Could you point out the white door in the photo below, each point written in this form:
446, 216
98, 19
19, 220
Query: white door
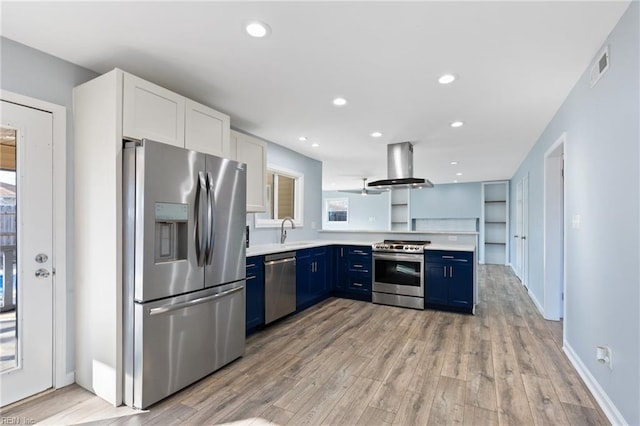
524, 237
26, 174
516, 238
522, 228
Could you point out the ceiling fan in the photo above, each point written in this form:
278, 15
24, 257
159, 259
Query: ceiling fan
364, 190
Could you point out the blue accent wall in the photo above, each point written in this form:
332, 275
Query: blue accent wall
602, 186
369, 212
32, 73
285, 158
455, 200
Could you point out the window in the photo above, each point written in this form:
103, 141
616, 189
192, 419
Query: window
337, 209
284, 198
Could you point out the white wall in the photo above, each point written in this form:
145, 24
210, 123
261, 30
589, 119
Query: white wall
33, 73
602, 186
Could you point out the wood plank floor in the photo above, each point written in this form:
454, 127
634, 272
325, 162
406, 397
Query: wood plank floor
346, 362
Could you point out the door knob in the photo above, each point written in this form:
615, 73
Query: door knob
41, 258
524, 238
515, 236
42, 273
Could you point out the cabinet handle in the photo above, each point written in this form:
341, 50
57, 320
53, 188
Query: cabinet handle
447, 257
445, 271
358, 251
450, 271
358, 285
341, 251
251, 265
251, 277
357, 266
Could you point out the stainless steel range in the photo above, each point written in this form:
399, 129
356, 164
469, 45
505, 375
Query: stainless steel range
398, 273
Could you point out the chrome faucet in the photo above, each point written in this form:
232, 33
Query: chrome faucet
283, 233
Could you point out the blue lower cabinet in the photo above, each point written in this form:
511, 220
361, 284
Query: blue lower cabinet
254, 293
449, 280
339, 275
312, 276
352, 275
436, 292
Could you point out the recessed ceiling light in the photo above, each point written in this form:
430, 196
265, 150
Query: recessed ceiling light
302, 138
457, 124
339, 101
314, 145
453, 163
458, 174
376, 134
446, 78
257, 29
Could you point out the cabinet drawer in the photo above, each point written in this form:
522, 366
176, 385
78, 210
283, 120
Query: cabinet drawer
359, 282
439, 256
254, 266
360, 251
357, 264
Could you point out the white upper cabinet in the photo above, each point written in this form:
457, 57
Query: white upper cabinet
207, 130
150, 111
252, 151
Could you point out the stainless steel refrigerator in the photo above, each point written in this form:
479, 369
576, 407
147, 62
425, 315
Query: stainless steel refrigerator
184, 268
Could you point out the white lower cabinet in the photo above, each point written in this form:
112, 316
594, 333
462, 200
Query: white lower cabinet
252, 151
206, 130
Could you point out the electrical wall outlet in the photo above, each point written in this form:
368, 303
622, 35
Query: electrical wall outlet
313, 225
603, 356
453, 238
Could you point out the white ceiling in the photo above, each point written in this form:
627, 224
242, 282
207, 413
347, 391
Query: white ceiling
516, 62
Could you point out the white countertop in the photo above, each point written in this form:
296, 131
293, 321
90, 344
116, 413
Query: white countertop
381, 231
262, 249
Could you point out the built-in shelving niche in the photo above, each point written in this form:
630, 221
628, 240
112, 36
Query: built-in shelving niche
400, 212
494, 223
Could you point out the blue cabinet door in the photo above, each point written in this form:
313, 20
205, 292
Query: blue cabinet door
254, 293
319, 284
312, 283
303, 277
340, 268
461, 286
449, 279
436, 284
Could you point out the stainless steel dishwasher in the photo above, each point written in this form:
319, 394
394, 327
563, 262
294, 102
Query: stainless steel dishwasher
279, 285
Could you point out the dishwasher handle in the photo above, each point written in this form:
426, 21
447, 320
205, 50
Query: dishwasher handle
274, 262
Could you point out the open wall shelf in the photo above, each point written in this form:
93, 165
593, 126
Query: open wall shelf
494, 223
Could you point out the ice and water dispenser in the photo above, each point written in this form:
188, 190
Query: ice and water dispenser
171, 234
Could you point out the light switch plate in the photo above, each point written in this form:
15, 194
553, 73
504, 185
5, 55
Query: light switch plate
575, 221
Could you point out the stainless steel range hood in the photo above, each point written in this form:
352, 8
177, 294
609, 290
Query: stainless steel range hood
400, 169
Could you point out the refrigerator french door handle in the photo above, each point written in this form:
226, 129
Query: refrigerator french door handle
178, 306
199, 233
211, 217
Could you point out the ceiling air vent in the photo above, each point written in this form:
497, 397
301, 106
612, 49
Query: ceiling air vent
600, 66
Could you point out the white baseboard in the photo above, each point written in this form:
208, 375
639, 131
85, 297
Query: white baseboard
69, 379
536, 302
610, 410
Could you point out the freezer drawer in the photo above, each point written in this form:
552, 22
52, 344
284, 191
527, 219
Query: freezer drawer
179, 340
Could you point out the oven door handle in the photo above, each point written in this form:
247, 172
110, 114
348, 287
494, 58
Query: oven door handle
399, 256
